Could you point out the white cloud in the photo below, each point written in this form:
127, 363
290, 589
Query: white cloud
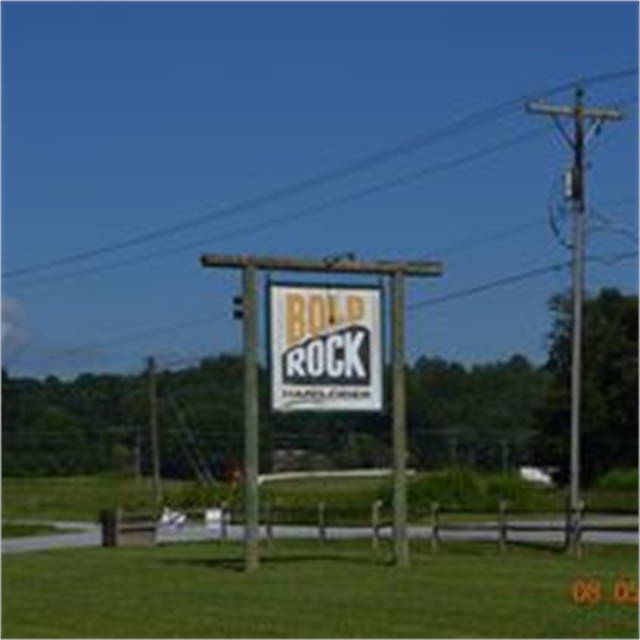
14, 331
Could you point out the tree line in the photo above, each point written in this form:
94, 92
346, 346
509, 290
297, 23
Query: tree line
492, 416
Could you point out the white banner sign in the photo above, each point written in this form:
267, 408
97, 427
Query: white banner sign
325, 348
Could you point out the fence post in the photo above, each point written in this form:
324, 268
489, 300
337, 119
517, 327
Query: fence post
578, 532
567, 525
268, 523
435, 526
117, 522
502, 526
223, 521
322, 528
375, 524
108, 519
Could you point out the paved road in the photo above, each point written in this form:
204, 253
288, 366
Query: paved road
83, 534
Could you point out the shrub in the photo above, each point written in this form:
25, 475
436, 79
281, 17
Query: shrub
521, 494
453, 488
618, 480
471, 491
197, 495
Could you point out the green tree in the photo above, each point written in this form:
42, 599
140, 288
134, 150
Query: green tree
479, 416
609, 416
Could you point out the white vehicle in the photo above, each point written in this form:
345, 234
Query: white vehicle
536, 475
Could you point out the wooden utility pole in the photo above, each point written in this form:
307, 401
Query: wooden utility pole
137, 456
401, 541
153, 427
580, 116
251, 417
250, 265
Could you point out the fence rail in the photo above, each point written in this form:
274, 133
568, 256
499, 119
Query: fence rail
324, 521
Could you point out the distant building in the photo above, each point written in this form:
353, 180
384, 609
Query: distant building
298, 460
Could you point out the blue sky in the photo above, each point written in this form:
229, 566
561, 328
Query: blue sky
120, 120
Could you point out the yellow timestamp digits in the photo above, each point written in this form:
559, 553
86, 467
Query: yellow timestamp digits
591, 591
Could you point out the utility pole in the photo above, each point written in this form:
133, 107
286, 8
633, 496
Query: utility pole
399, 401
153, 427
137, 457
595, 117
251, 417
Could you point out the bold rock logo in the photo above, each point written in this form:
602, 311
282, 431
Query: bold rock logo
341, 358
325, 348
311, 316
327, 342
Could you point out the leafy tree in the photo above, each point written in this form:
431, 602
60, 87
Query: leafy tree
609, 411
477, 417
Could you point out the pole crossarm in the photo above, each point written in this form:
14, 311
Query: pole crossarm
571, 112
426, 268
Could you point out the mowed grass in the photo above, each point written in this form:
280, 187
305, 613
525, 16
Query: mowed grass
308, 589
77, 498
14, 530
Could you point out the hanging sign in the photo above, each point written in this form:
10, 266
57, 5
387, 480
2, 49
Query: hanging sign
325, 348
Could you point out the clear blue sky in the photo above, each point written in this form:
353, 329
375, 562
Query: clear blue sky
123, 119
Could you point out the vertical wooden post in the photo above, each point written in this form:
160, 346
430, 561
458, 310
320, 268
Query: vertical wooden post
224, 512
153, 426
568, 521
401, 543
118, 522
375, 524
435, 526
322, 524
137, 461
268, 515
252, 506
502, 526
578, 533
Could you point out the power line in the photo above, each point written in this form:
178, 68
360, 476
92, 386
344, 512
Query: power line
494, 284
613, 260
407, 146
244, 206
487, 286
117, 341
516, 278
491, 237
171, 328
449, 297
187, 439
375, 189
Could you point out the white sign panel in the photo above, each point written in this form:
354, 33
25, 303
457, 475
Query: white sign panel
325, 348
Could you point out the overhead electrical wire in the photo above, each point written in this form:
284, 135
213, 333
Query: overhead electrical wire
466, 292
141, 335
187, 439
487, 286
491, 237
404, 147
362, 193
371, 190
516, 278
281, 193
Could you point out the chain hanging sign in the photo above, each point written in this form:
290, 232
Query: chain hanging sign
325, 347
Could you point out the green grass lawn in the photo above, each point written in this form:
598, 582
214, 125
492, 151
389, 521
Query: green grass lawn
77, 498
305, 589
15, 530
